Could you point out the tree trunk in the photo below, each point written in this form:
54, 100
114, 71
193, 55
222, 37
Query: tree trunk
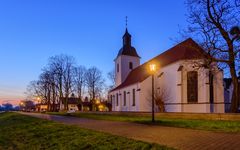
235, 95
54, 98
48, 100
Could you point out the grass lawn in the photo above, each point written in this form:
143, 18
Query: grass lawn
212, 125
27, 133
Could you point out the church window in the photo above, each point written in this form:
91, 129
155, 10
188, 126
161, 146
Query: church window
133, 97
117, 99
211, 87
192, 86
130, 65
124, 98
111, 99
117, 67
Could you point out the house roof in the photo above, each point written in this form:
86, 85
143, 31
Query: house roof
187, 49
86, 103
73, 100
128, 50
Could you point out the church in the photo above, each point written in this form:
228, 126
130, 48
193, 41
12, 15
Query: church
178, 80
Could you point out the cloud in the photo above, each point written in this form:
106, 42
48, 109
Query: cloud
13, 102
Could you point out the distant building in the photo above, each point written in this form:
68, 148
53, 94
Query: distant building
187, 86
76, 104
73, 103
27, 105
41, 107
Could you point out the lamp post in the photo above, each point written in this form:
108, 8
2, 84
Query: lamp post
152, 70
38, 100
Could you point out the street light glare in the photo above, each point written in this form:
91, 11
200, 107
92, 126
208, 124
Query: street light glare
152, 67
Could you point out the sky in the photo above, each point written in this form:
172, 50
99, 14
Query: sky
31, 31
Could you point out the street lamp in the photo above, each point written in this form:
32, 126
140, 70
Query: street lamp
38, 100
152, 70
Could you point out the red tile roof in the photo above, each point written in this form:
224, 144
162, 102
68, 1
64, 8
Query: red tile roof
187, 49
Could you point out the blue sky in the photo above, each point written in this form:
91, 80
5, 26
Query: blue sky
90, 30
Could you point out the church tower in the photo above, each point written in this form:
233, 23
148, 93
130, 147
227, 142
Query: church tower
127, 59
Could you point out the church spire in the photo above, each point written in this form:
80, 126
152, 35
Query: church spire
126, 36
127, 48
126, 39
126, 21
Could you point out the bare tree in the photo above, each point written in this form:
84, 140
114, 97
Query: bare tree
62, 68
32, 90
94, 82
111, 76
68, 78
55, 64
45, 84
161, 97
40, 88
79, 80
211, 22
235, 32
55, 82
237, 3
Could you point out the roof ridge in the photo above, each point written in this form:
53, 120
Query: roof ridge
173, 54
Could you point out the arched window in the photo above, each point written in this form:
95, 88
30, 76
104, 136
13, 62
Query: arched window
117, 67
133, 97
192, 86
117, 99
124, 98
111, 99
130, 65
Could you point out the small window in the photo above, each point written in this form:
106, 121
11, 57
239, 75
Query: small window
111, 99
192, 86
117, 67
211, 87
133, 97
130, 65
124, 98
117, 98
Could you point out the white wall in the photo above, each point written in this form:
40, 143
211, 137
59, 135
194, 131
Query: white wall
174, 84
166, 83
129, 99
72, 107
123, 61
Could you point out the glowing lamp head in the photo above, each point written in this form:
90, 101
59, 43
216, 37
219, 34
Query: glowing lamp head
152, 68
97, 101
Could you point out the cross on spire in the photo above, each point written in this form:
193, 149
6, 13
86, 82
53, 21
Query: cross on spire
126, 21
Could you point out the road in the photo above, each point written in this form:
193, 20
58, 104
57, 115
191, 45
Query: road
180, 138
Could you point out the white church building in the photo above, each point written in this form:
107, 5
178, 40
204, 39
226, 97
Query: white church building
185, 85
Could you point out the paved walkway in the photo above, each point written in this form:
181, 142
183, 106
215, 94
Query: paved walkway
180, 138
